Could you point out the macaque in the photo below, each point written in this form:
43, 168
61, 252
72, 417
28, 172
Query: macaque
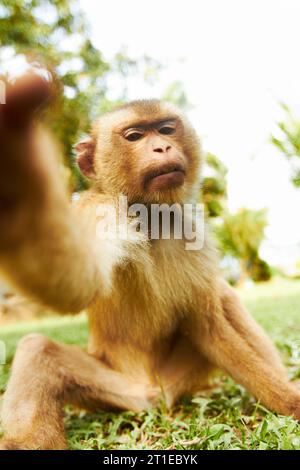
161, 318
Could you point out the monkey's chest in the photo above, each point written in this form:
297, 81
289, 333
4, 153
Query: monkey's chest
149, 299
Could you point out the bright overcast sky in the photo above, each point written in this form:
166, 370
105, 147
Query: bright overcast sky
240, 59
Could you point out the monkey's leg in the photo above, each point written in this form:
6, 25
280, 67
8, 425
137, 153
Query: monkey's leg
238, 316
45, 375
239, 347
184, 372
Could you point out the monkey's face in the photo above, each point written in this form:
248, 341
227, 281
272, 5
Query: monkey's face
147, 152
160, 162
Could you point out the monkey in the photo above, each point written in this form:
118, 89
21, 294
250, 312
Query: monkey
161, 318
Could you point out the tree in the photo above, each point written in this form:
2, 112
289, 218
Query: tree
240, 235
175, 93
288, 143
214, 186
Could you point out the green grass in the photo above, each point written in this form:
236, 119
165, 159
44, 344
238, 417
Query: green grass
227, 418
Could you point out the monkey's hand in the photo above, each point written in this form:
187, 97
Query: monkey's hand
25, 164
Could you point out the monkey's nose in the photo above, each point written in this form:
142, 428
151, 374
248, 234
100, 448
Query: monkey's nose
162, 148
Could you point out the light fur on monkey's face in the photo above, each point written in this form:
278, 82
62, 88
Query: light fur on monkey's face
145, 150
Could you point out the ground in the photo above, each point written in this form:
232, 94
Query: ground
228, 418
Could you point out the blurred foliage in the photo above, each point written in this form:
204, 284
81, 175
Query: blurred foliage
54, 34
214, 186
260, 270
288, 142
240, 235
176, 94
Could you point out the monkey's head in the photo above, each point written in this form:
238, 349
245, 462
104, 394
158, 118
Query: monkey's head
145, 150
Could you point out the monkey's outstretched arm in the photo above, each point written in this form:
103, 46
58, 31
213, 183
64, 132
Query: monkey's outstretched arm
45, 250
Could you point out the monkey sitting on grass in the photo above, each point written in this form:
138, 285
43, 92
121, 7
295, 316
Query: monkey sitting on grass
161, 318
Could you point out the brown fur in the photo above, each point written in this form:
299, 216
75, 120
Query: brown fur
161, 318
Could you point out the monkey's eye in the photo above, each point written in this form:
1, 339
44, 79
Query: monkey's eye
167, 130
133, 136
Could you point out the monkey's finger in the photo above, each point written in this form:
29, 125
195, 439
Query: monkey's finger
24, 97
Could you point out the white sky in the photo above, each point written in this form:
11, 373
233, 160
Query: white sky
240, 59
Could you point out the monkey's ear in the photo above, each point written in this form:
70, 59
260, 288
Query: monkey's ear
85, 157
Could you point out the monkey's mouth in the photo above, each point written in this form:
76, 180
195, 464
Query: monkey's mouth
165, 177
